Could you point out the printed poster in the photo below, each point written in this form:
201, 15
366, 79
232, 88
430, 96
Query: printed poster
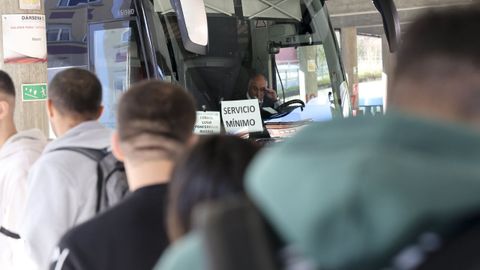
24, 38
30, 4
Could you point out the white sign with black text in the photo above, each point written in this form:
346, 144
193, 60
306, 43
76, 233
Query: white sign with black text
208, 123
242, 116
24, 38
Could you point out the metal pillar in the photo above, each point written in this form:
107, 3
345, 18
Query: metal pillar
308, 62
350, 61
388, 64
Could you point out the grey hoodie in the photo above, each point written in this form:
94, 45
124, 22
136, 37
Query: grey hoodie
62, 192
17, 155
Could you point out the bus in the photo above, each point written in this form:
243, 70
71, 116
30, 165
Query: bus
210, 47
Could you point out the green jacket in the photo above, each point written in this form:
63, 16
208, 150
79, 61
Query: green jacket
350, 194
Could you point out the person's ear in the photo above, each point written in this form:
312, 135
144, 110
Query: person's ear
4, 109
50, 110
116, 147
100, 112
193, 140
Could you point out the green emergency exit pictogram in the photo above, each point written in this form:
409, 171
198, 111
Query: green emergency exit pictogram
34, 92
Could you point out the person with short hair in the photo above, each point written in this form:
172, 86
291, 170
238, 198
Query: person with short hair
18, 152
155, 126
211, 171
437, 77
62, 184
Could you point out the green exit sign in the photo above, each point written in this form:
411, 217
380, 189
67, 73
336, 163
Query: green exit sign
34, 92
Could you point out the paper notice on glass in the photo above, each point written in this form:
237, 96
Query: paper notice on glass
242, 116
208, 123
311, 66
24, 38
30, 4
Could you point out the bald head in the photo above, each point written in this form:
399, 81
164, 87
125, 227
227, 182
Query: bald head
438, 67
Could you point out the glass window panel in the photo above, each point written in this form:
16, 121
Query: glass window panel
63, 3
117, 61
76, 2
65, 35
52, 34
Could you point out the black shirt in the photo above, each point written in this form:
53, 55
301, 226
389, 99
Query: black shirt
131, 235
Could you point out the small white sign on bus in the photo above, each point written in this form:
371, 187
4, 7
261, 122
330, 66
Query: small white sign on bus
208, 123
241, 116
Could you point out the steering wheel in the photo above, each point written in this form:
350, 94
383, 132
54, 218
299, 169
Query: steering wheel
291, 105
288, 107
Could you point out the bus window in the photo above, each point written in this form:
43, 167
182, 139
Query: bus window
117, 61
66, 31
302, 73
291, 43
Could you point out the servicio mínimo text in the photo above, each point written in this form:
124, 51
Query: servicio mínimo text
240, 123
239, 109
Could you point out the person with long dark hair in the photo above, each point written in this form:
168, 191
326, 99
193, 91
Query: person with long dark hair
213, 169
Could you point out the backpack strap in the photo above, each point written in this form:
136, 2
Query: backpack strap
96, 155
93, 154
9, 233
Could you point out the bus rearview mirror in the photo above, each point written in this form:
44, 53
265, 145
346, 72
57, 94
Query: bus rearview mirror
192, 21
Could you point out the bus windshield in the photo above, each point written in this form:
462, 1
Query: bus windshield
290, 42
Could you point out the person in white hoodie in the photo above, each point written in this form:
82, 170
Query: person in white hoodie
18, 151
62, 184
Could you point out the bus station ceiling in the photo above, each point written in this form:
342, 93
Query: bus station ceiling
363, 15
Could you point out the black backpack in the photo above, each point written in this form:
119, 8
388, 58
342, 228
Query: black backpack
112, 185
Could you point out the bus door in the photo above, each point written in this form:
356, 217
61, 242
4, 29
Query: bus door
116, 57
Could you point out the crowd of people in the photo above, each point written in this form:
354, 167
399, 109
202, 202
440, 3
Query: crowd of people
399, 191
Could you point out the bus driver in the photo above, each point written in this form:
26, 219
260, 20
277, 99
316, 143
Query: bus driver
258, 88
